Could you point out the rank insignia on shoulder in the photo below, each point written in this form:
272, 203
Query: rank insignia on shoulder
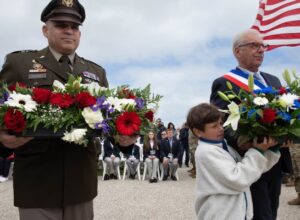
25, 51
91, 76
37, 68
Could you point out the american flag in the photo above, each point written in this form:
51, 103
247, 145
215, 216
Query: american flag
279, 22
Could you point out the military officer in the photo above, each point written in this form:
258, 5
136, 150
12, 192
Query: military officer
295, 154
53, 179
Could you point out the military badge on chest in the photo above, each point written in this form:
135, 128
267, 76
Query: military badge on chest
90, 77
38, 75
38, 71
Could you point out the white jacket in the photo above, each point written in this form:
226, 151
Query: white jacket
223, 180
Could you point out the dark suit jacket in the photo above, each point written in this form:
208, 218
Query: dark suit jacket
220, 85
165, 148
51, 173
134, 151
147, 151
108, 150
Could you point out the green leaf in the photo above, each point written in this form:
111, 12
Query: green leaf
223, 96
295, 131
251, 82
229, 85
287, 77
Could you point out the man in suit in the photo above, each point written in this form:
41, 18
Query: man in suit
184, 140
112, 157
169, 153
53, 179
248, 49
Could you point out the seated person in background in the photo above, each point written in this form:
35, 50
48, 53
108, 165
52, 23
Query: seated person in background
223, 176
163, 136
132, 155
6, 157
112, 157
151, 155
169, 152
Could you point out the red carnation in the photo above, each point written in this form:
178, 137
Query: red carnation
14, 120
269, 115
126, 93
128, 123
12, 87
84, 99
282, 90
41, 95
149, 115
61, 100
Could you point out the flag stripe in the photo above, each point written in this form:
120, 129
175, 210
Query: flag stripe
279, 22
283, 23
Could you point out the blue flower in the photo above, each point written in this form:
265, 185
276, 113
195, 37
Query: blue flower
252, 113
140, 103
284, 116
100, 104
104, 126
297, 103
4, 97
267, 90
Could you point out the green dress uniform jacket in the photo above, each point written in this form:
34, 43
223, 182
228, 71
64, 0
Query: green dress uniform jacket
51, 173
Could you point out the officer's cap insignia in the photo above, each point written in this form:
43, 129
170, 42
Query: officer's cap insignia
67, 3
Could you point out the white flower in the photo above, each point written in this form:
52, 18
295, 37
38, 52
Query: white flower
92, 117
287, 100
125, 102
260, 101
21, 101
76, 136
94, 88
114, 103
58, 85
234, 116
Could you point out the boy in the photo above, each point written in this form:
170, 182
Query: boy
223, 177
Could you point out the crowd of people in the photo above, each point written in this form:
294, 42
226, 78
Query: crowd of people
165, 146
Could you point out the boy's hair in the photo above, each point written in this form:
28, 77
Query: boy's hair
202, 114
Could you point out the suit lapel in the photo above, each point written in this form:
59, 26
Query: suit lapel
48, 60
267, 79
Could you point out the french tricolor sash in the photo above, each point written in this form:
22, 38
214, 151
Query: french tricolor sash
239, 78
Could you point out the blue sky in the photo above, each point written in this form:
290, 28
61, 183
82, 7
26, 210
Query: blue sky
179, 46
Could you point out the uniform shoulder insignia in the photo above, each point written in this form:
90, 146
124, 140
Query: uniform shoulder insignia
25, 51
88, 61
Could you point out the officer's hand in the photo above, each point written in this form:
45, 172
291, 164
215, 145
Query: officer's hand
266, 144
288, 143
11, 141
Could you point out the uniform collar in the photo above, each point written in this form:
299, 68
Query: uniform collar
57, 55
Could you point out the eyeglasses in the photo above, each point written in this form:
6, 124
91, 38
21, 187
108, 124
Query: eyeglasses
254, 45
163, 133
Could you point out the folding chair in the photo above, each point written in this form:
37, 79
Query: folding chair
104, 164
145, 171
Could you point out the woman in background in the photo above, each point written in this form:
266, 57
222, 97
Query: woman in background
151, 156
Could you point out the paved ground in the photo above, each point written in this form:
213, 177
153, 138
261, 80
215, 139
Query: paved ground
133, 199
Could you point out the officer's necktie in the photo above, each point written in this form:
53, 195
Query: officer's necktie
65, 65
